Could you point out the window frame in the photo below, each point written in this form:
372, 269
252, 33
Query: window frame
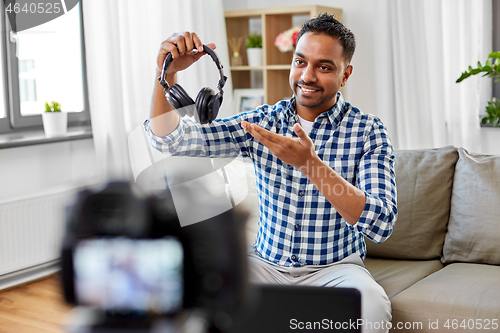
4, 122
14, 121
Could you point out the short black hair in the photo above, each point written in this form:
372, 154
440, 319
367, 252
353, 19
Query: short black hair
326, 24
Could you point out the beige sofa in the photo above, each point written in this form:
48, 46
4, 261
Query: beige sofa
440, 267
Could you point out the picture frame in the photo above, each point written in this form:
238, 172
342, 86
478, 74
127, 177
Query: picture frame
245, 100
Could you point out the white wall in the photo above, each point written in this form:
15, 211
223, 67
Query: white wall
490, 137
372, 59
32, 170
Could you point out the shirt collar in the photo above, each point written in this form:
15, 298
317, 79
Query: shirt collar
334, 115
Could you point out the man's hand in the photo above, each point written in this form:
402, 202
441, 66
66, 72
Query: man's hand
186, 48
298, 152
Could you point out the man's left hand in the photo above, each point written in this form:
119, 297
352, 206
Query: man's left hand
298, 152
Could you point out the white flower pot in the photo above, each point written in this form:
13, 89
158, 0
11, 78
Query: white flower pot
254, 56
55, 123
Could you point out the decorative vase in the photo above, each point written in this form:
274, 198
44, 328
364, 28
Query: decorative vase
254, 56
236, 59
55, 123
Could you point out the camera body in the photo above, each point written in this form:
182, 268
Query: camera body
126, 255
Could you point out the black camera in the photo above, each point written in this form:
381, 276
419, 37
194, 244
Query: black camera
126, 257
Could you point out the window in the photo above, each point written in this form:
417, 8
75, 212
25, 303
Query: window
27, 82
43, 63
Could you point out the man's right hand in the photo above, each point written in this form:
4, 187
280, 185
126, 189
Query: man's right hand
183, 47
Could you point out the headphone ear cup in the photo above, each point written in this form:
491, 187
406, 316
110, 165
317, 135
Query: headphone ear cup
214, 106
202, 104
179, 99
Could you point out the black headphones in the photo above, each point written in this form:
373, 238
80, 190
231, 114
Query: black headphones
207, 102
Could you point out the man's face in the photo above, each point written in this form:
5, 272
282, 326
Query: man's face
318, 71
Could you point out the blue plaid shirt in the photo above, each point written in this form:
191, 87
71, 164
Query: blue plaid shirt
298, 225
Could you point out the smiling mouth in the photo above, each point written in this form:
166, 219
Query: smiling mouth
307, 90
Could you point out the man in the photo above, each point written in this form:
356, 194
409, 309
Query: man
325, 174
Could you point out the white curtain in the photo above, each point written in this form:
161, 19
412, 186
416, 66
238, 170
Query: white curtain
122, 39
432, 42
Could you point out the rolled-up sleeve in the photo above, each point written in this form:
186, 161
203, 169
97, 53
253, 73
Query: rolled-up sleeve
376, 177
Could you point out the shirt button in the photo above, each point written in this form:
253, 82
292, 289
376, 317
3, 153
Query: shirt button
301, 193
294, 257
297, 226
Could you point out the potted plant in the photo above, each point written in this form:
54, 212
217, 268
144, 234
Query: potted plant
254, 49
490, 69
55, 122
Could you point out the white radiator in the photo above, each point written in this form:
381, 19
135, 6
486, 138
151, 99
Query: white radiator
31, 231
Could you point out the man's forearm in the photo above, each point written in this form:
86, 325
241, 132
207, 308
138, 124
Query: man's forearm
163, 120
348, 200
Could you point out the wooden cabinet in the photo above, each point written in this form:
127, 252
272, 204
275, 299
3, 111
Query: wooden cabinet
276, 64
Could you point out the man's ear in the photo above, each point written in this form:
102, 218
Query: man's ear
347, 73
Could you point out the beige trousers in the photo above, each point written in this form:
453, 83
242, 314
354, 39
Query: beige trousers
346, 273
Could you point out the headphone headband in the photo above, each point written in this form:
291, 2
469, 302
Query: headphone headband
206, 49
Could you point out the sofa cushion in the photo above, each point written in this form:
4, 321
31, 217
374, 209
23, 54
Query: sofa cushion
474, 227
457, 292
424, 180
397, 275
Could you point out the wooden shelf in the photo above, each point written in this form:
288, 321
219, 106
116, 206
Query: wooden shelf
246, 68
253, 68
279, 67
276, 64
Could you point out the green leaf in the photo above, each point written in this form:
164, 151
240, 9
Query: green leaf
56, 106
52, 106
488, 69
463, 77
254, 41
498, 79
484, 120
494, 55
493, 112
